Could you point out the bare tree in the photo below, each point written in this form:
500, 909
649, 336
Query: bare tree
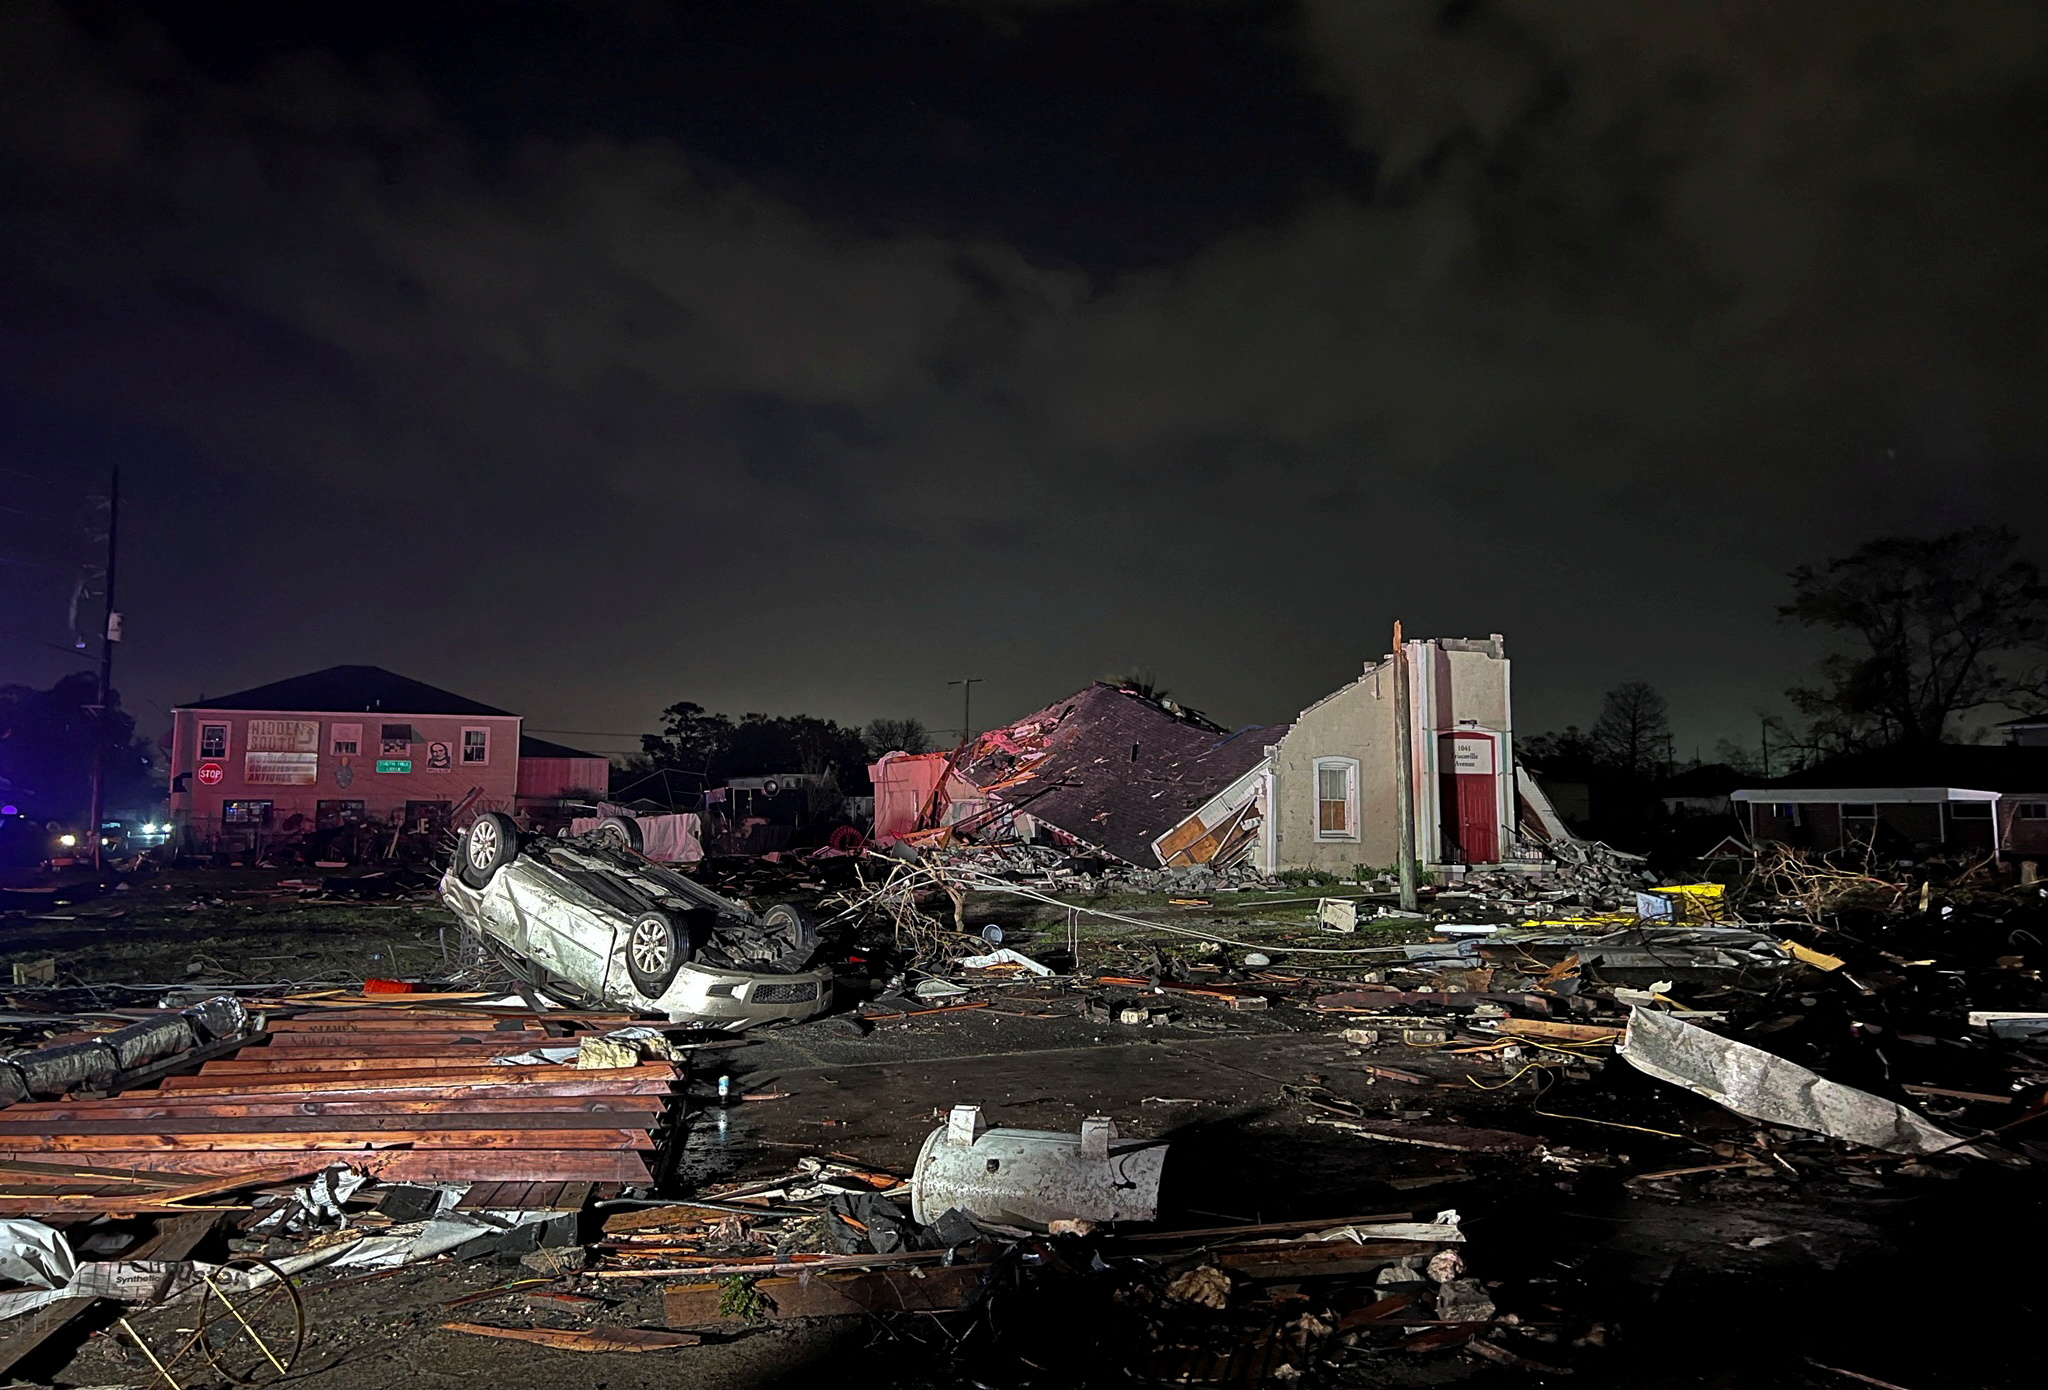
1937, 628
1633, 733
896, 736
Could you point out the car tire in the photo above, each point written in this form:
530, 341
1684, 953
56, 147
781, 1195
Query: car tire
490, 843
620, 832
799, 930
655, 948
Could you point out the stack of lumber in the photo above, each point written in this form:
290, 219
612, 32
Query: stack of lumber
406, 1094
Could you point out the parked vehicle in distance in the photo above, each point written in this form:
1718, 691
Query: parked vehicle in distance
625, 932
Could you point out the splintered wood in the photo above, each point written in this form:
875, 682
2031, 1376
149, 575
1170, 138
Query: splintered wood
404, 1093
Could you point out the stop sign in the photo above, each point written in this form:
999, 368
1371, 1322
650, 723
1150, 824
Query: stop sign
210, 774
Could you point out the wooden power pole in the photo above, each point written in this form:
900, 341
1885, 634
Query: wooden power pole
1404, 769
966, 705
110, 633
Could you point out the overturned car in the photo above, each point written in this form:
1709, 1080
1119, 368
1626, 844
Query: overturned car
592, 914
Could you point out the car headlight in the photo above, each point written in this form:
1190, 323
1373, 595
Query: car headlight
67, 840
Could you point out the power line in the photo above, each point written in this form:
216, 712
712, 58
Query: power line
589, 733
39, 642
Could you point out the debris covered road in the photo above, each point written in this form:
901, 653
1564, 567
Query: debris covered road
1388, 1149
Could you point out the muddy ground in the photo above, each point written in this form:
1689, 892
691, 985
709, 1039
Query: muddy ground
1928, 1282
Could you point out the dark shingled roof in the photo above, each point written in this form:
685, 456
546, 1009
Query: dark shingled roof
531, 747
347, 689
1072, 766
1981, 767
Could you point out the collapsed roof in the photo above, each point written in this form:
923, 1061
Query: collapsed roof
1110, 767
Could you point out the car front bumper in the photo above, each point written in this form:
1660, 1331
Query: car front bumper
732, 1000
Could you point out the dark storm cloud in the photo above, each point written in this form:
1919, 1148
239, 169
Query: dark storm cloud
1615, 314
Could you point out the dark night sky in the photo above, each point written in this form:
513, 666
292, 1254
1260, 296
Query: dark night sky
582, 357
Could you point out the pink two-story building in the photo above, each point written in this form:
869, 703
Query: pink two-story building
350, 743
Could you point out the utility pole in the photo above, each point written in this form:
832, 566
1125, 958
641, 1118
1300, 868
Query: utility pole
1404, 768
1764, 723
966, 705
110, 633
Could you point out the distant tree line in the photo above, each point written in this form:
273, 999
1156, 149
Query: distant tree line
1927, 632
701, 748
46, 749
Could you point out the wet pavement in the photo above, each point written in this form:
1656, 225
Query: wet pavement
1722, 1280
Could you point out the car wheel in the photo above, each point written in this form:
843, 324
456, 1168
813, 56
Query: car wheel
654, 952
620, 832
798, 931
487, 846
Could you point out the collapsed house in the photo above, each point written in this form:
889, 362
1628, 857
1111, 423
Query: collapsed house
1112, 771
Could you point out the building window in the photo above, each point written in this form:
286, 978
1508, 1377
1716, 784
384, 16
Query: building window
1336, 798
345, 740
245, 813
395, 741
2034, 810
213, 740
1786, 811
476, 746
1970, 810
329, 814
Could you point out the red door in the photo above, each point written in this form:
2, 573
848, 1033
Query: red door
1469, 796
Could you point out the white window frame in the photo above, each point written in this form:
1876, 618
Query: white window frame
462, 756
1349, 766
338, 734
397, 748
227, 740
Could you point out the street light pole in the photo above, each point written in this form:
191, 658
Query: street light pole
110, 633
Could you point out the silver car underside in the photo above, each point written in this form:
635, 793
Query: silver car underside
568, 909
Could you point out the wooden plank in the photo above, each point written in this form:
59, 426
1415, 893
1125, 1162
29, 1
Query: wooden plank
539, 1093
27, 1170
52, 1208
387, 1059
1455, 1138
12, 1132
1545, 1030
19, 1145
933, 1289
650, 1106
590, 1339
377, 1027
1316, 1259
466, 1077
398, 1036
411, 1165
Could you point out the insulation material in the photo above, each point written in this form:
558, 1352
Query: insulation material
52, 1071
1761, 1086
219, 1017
151, 1040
